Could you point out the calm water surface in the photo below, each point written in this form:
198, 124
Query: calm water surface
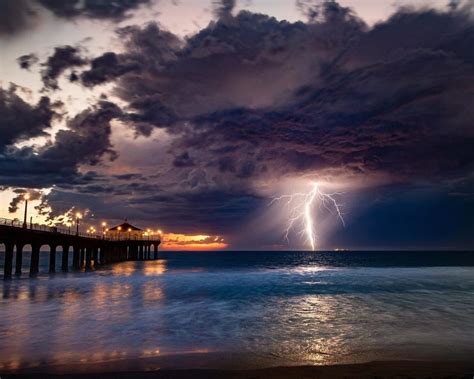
253, 308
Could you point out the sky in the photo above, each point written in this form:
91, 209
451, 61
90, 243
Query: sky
201, 117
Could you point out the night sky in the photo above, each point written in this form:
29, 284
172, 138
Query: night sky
191, 116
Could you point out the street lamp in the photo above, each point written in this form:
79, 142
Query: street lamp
26, 197
78, 218
129, 230
104, 224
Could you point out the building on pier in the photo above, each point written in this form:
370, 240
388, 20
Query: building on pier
125, 231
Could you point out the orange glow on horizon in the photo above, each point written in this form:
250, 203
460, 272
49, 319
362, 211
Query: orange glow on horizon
175, 241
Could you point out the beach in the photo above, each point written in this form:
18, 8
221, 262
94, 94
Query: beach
389, 369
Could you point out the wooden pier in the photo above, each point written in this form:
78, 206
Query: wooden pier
88, 250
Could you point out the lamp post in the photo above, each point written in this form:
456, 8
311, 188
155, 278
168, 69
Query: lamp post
129, 230
78, 218
104, 224
26, 196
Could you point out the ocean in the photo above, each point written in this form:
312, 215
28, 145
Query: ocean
242, 309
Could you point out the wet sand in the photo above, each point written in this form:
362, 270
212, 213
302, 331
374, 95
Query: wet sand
382, 369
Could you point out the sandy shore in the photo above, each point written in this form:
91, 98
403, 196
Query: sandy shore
383, 369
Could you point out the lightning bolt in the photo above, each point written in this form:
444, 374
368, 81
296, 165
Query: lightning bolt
301, 207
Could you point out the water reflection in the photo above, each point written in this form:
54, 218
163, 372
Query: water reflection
155, 268
291, 313
80, 317
124, 269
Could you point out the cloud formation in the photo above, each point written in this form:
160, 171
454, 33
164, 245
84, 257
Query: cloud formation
19, 120
327, 94
85, 142
20, 15
64, 57
98, 9
249, 100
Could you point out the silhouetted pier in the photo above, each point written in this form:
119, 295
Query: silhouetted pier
88, 250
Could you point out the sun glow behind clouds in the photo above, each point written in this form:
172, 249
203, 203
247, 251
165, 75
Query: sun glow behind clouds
174, 241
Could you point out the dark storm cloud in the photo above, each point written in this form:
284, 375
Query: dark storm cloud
99, 9
27, 60
20, 120
85, 142
64, 57
327, 94
105, 68
183, 160
219, 210
223, 8
20, 15
250, 96
15, 16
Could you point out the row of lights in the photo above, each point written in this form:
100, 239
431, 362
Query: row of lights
91, 229
148, 233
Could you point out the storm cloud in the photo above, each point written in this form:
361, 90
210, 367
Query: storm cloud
250, 99
85, 142
99, 9
20, 15
20, 120
64, 57
331, 93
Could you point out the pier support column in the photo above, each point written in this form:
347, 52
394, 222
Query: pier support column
135, 252
34, 265
96, 256
82, 256
76, 257
52, 259
155, 252
19, 259
103, 255
88, 254
8, 260
65, 258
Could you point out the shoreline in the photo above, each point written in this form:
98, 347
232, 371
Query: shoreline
374, 369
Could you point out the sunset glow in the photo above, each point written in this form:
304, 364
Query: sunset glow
175, 241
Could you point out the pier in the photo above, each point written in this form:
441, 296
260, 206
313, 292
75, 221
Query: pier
88, 250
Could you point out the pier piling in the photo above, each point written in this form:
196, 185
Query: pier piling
65, 258
18, 259
34, 264
52, 259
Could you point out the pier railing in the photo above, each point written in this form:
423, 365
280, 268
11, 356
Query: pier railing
68, 231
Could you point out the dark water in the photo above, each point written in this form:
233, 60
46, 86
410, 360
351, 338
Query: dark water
253, 308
